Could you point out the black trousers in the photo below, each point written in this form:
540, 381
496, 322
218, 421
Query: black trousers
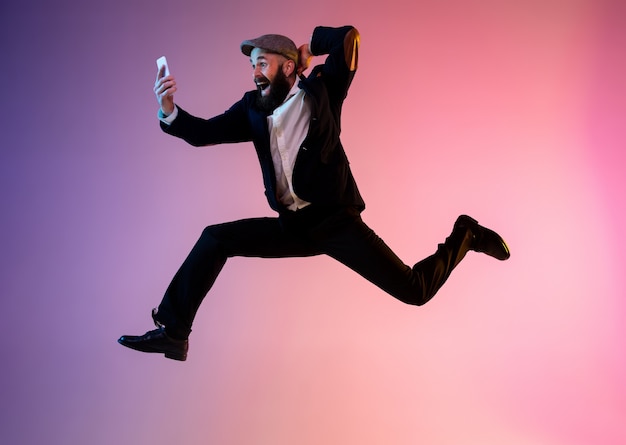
338, 233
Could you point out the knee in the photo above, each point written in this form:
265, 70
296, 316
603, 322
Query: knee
413, 299
210, 238
208, 232
414, 302
208, 235
214, 232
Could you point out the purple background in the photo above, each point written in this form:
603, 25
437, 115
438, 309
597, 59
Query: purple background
511, 111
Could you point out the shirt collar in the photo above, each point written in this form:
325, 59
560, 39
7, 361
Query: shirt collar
292, 92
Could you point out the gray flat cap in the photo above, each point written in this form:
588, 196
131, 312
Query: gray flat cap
274, 43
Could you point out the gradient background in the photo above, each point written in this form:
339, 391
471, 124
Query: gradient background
511, 111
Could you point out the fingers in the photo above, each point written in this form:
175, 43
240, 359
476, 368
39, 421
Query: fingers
304, 58
164, 84
166, 92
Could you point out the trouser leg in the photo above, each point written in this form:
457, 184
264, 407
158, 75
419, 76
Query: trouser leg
359, 248
257, 237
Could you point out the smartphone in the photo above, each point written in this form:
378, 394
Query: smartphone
162, 62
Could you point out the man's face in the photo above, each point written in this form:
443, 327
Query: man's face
265, 68
271, 79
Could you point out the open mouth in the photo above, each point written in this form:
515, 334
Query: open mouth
262, 84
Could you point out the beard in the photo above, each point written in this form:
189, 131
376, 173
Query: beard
279, 88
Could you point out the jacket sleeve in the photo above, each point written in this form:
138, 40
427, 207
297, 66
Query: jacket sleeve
231, 126
342, 46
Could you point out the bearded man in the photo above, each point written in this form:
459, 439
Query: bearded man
294, 124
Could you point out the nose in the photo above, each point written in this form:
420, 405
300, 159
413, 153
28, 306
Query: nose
256, 72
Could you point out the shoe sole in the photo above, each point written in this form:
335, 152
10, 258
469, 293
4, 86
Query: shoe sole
168, 354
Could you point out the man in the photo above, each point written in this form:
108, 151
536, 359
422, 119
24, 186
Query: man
294, 126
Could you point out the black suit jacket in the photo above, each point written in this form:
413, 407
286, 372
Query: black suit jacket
321, 173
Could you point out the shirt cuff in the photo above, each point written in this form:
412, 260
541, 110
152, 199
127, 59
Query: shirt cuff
169, 118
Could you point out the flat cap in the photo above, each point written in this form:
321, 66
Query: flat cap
274, 43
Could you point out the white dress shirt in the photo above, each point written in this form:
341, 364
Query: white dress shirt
288, 126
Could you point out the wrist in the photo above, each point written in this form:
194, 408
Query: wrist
168, 118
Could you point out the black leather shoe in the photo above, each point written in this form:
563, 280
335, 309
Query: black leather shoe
157, 341
483, 239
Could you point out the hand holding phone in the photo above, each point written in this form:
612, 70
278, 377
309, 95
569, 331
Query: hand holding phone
164, 90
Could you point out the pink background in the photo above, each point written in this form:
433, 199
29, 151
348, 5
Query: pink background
511, 111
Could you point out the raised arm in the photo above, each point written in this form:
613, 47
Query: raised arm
342, 47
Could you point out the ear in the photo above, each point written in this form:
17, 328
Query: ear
289, 67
